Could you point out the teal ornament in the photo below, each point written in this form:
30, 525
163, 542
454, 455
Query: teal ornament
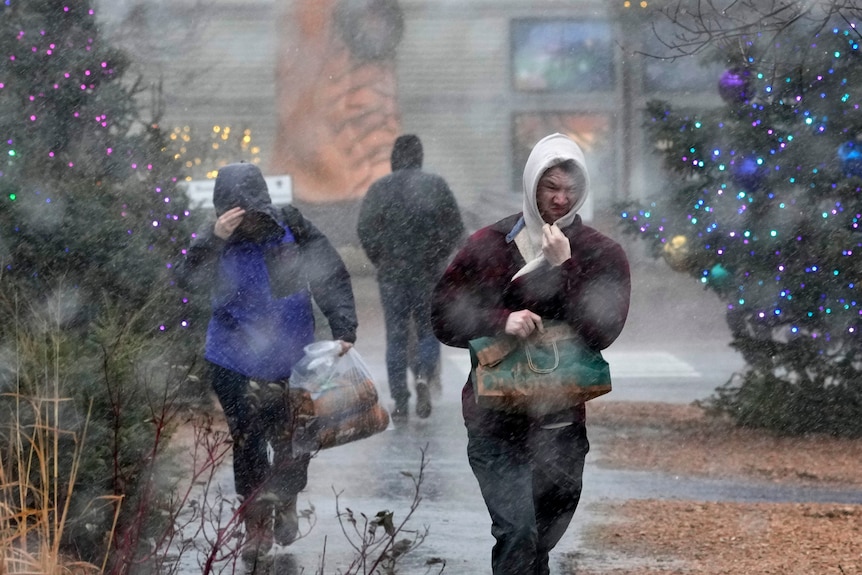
718, 274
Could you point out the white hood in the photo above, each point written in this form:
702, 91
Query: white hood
547, 153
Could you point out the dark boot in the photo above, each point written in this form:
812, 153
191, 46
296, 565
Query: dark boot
286, 522
423, 399
257, 517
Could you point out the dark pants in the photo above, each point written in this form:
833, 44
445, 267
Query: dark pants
403, 302
531, 487
255, 422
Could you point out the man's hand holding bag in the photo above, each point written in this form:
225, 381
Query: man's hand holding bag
549, 371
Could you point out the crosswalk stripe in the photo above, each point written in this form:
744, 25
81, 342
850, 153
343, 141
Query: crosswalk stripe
648, 364
624, 364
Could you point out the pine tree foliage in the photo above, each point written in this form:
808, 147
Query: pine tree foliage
90, 225
87, 203
763, 206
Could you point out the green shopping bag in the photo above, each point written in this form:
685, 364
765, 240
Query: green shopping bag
547, 372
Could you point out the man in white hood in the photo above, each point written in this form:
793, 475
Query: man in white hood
539, 265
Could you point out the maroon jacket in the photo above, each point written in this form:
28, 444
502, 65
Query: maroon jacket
476, 295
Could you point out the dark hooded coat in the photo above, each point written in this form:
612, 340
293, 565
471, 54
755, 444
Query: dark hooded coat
476, 295
409, 222
490, 278
262, 282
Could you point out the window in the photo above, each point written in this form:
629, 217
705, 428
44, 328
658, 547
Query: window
562, 56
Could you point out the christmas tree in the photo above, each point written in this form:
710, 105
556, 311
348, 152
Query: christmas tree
87, 203
763, 207
90, 227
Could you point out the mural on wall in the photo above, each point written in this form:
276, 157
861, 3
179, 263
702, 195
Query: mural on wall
337, 108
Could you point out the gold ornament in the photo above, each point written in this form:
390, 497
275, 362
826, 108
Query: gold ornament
676, 253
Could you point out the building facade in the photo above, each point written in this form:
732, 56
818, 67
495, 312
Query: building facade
478, 80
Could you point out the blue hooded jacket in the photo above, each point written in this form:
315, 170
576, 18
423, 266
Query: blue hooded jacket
262, 284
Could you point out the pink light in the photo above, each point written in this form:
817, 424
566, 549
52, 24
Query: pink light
32, 118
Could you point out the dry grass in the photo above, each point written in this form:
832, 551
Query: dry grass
35, 492
680, 439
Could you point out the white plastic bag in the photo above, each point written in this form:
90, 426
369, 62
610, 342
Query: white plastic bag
343, 395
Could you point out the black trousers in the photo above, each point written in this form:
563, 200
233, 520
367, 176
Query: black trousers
531, 485
257, 421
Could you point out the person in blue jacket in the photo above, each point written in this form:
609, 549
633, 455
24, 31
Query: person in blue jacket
263, 266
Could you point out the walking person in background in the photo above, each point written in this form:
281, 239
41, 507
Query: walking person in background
263, 266
539, 265
409, 225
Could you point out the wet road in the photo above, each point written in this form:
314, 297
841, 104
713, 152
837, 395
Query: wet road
674, 350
